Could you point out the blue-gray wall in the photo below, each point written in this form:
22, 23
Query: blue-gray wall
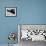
28, 12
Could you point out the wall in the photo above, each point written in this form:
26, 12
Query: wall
33, 12
28, 12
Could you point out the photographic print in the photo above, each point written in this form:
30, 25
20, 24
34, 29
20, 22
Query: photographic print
10, 11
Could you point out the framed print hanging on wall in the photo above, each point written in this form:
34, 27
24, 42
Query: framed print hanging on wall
10, 11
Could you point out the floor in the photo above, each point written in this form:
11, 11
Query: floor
7, 45
30, 43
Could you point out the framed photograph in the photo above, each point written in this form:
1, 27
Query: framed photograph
10, 11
